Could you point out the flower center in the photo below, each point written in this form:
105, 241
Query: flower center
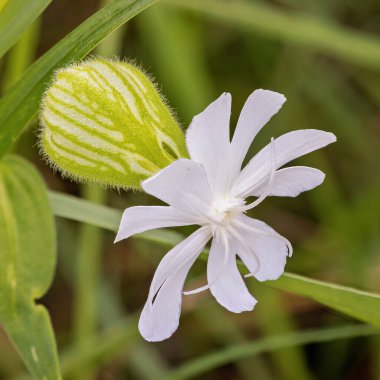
223, 210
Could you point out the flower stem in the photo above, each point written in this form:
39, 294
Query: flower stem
87, 279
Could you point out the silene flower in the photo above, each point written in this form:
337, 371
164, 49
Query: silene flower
210, 190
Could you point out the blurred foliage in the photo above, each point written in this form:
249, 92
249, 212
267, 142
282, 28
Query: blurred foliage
325, 57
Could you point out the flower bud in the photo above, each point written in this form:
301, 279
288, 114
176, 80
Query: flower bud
104, 121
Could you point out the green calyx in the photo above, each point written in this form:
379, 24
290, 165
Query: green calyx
104, 121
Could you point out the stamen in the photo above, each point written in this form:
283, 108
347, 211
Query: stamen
249, 249
273, 235
197, 290
224, 266
270, 181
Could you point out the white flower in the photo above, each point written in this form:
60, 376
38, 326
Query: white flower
210, 190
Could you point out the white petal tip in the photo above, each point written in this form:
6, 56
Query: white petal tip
153, 335
331, 137
248, 307
226, 96
117, 239
268, 277
273, 94
121, 235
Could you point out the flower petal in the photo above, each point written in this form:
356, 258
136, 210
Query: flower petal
208, 141
226, 283
160, 316
260, 106
261, 248
290, 182
143, 218
183, 185
287, 148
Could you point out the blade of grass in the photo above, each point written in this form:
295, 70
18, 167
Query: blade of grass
90, 248
86, 280
219, 328
358, 304
26, 94
123, 335
15, 17
21, 55
206, 363
84, 211
145, 362
305, 30
175, 45
274, 319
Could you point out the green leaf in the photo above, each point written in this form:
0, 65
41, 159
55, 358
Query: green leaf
355, 303
15, 18
358, 304
104, 121
26, 94
28, 259
290, 27
70, 207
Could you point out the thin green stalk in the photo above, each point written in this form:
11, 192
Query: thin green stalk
146, 362
223, 331
15, 17
231, 354
274, 319
301, 29
123, 335
21, 55
177, 49
88, 277
112, 45
87, 280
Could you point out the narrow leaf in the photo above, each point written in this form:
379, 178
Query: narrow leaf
28, 258
199, 366
15, 17
353, 302
26, 94
358, 304
70, 207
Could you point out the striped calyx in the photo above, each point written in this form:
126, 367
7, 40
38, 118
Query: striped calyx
104, 121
